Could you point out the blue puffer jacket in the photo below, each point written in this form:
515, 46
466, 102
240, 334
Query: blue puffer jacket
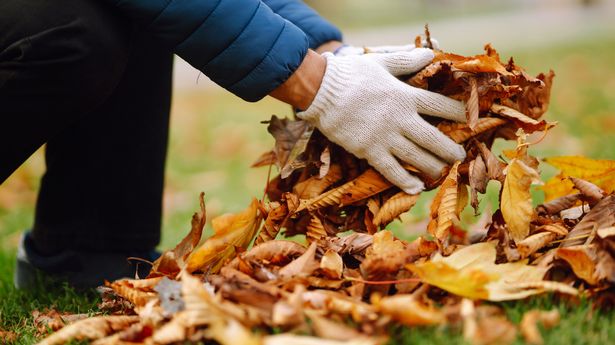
248, 47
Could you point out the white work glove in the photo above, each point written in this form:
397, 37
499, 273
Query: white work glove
347, 50
362, 107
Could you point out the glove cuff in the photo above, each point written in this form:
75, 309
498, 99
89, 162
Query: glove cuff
334, 82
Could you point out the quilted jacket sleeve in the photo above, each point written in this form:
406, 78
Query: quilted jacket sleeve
242, 45
317, 29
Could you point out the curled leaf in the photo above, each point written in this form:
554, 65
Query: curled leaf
394, 207
231, 231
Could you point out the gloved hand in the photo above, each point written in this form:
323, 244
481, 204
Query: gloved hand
362, 107
346, 50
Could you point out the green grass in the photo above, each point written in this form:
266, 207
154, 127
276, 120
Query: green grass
16, 306
215, 137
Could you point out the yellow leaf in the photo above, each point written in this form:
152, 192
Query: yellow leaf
516, 204
600, 172
471, 272
557, 187
231, 231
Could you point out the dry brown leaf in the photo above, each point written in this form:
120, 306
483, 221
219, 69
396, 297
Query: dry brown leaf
476, 64
533, 243
495, 168
273, 252
602, 215
8, 336
287, 135
406, 310
293, 339
444, 208
231, 332
315, 185
529, 324
173, 261
384, 257
339, 303
332, 265
315, 231
231, 231
485, 328
557, 205
326, 328
271, 226
91, 329
477, 176
303, 265
364, 186
516, 201
51, 319
582, 260
266, 159
461, 132
590, 191
325, 159
527, 123
472, 107
394, 207
134, 294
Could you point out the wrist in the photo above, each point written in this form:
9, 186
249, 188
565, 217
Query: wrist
301, 88
330, 47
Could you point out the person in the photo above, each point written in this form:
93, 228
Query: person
91, 79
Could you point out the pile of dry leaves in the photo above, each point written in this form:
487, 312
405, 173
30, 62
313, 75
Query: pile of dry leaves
351, 286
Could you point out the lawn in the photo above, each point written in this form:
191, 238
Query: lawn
215, 137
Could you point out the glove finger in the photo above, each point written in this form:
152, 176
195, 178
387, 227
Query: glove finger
390, 168
431, 103
389, 49
403, 62
411, 153
431, 139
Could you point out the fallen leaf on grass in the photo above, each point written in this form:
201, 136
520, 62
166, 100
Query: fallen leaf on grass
292, 339
472, 272
530, 321
51, 319
8, 336
90, 329
481, 326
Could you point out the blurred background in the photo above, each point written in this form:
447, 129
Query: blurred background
215, 136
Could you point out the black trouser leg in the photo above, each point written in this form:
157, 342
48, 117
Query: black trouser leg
102, 105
